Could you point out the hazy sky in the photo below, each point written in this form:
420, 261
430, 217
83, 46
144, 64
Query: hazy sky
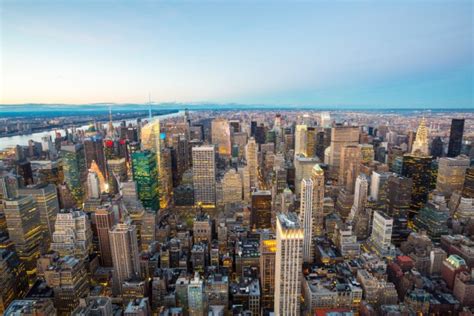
381, 53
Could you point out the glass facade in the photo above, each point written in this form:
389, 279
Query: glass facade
145, 174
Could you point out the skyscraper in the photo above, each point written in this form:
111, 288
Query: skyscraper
267, 267
232, 187
419, 169
145, 174
94, 151
455, 137
341, 136
72, 234
124, 248
220, 129
306, 218
117, 171
75, 171
420, 146
360, 196
300, 139
451, 174
47, 204
204, 175
251, 156
381, 236
13, 276
24, 229
288, 264
349, 167
317, 176
104, 221
261, 212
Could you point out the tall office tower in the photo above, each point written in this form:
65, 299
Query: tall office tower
260, 134
117, 171
455, 137
47, 204
378, 181
75, 170
451, 174
232, 187
398, 192
196, 302
148, 230
437, 147
124, 247
251, 156
14, 279
311, 141
468, 187
349, 167
303, 170
94, 151
341, 136
300, 139
24, 229
306, 218
420, 146
317, 176
261, 212
220, 129
70, 282
360, 196
433, 218
204, 175
288, 264
104, 221
93, 185
72, 234
145, 175
152, 139
419, 169
267, 268
381, 236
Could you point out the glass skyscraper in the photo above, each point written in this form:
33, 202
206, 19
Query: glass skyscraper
145, 174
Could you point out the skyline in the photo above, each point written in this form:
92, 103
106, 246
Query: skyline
341, 55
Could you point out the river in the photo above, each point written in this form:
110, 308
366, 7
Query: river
12, 141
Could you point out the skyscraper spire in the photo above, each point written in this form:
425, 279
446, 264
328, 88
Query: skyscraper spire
420, 145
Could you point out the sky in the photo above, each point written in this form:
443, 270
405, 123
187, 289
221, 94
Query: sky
398, 54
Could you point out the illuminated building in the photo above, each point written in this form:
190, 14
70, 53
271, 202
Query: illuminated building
306, 218
468, 187
311, 141
104, 221
303, 170
75, 170
204, 175
267, 267
378, 184
300, 139
451, 174
341, 136
232, 187
47, 204
69, 280
117, 171
125, 254
317, 176
419, 169
455, 137
24, 229
261, 213
367, 153
220, 129
148, 229
145, 175
420, 146
94, 152
72, 234
48, 171
288, 264
381, 236
349, 166
13, 276
251, 156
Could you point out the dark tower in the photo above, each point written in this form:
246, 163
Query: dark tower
455, 137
